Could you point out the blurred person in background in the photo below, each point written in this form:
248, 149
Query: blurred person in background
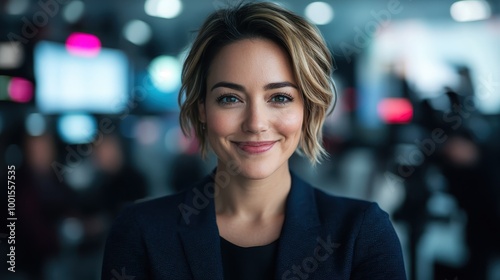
42, 203
471, 170
115, 183
472, 176
103, 182
256, 87
121, 182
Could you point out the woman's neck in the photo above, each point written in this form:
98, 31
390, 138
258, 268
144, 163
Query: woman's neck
250, 199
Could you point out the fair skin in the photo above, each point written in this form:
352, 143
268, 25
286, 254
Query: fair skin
253, 112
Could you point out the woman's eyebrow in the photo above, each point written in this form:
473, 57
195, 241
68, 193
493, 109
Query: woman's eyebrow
228, 85
242, 88
279, 85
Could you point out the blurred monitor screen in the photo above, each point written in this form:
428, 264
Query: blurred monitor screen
67, 83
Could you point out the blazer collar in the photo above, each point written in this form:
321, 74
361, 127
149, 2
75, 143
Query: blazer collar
200, 235
300, 231
199, 232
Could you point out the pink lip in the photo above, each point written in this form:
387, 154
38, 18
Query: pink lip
255, 147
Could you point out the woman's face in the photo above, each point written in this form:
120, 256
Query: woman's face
253, 110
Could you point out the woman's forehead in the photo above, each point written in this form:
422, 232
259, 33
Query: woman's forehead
251, 59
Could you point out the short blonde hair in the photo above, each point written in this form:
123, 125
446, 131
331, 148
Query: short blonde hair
310, 58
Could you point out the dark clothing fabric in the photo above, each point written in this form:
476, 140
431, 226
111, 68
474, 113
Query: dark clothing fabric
323, 237
248, 263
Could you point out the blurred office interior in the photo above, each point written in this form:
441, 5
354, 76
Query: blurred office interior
89, 119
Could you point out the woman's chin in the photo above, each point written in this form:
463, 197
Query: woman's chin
256, 171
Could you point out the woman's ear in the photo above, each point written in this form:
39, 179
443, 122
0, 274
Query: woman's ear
202, 116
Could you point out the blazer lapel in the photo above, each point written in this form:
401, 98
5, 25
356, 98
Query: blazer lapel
300, 232
201, 241
200, 235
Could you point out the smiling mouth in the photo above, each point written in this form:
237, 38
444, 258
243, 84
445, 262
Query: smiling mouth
255, 147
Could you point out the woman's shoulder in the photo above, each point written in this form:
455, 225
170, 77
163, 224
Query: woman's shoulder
167, 205
328, 202
152, 211
340, 203
162, 203
334, 209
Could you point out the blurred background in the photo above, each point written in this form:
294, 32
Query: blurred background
89, 119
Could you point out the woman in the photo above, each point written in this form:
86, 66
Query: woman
256, 87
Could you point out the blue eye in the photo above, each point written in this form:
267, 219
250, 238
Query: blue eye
281, 98
227, 99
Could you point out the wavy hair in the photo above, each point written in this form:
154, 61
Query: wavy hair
310, 58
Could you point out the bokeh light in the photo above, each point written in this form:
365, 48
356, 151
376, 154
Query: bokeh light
138, 32
20, 90
73, 11
17, 7
320, 13
82, 44
163, 8
165, 72
35, 124
11, 55
77, 128
470, 10
395, 110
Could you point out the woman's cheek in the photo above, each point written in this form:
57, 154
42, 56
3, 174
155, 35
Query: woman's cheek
290, 122
222, 122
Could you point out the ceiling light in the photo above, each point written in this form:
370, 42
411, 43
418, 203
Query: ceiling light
319, 13
163, 8
470, 10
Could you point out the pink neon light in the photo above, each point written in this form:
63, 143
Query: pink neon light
395, 110
20, 90
82, 44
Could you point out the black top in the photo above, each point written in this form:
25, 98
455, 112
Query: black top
250, 263
176, 237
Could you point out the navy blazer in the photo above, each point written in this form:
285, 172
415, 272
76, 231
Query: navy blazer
323, 237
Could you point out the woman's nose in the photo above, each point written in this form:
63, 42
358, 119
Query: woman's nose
256, 118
